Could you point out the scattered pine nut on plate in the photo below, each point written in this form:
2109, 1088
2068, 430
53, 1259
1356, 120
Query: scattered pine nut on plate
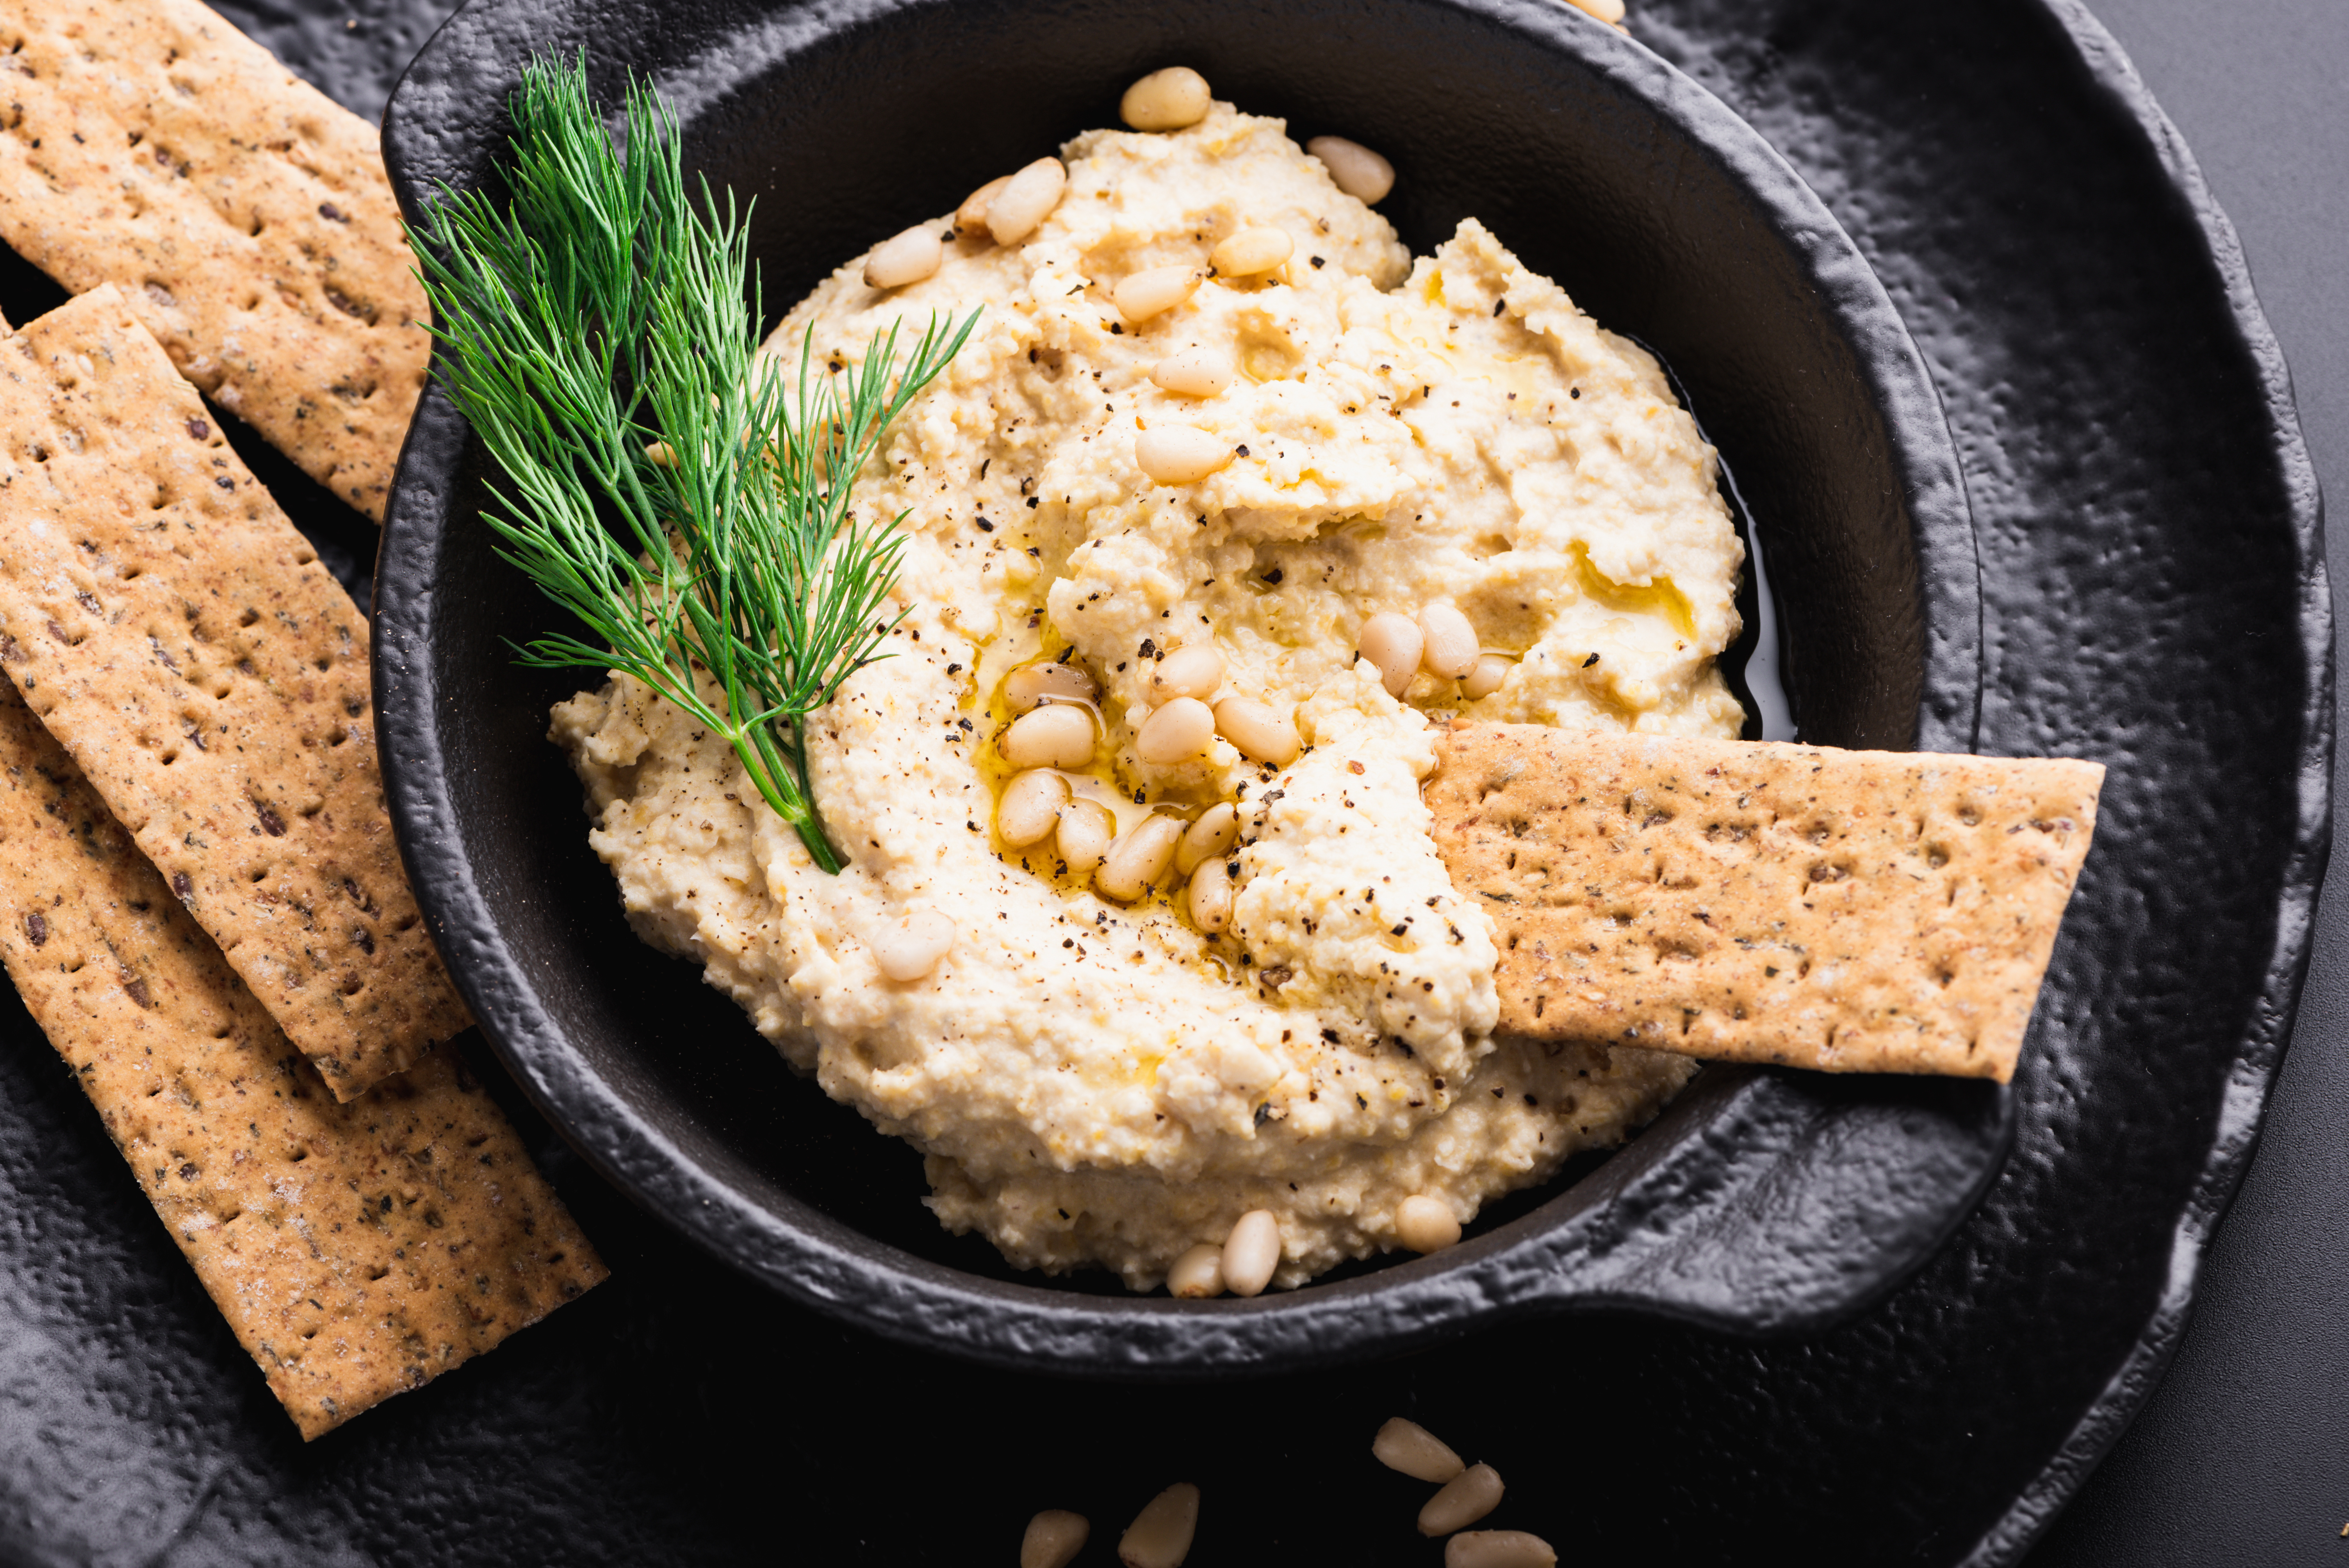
1498, 1549
1053, 1539
1159, 1535
1465, 1498
1406, 1446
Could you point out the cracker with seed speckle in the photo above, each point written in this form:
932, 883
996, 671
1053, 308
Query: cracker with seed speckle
355, 1250
245, 216
182, 639
1850, 911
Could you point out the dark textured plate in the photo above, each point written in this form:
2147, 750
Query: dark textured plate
1762, 1202
2152, 595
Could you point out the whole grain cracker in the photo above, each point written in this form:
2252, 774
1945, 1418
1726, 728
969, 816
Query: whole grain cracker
246, 217
356, 1250
179, 636
1850, 911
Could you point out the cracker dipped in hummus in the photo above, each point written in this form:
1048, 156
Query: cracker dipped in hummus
1226, 506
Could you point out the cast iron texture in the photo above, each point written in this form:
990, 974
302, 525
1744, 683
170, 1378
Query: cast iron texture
2120, 413
1763, 1202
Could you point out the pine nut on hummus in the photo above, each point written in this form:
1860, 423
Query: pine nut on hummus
1143, 942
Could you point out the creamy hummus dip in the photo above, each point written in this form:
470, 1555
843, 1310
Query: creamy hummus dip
1096, 1080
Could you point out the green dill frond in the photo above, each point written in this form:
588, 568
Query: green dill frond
685, 497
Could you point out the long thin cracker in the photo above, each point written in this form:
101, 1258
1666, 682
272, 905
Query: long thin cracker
355, 1250
177, 635
246, 217
1850, 911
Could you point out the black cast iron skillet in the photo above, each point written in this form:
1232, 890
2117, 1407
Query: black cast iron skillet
1760, 1203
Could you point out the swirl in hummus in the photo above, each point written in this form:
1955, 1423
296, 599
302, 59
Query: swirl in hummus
1097, 1081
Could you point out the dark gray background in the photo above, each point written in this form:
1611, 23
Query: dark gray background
2242, 1457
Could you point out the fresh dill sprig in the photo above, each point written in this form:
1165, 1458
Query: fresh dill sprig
683, 495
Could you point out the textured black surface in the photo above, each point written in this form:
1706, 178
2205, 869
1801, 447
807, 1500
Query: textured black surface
2242, 1455
678, 1415
1766, 1203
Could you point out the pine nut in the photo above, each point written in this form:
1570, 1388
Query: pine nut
1491, 670
1139, 858
1393, 643
1179, 455
1408, 1447
1498, 1549
1154, 292
1355, 169
1055, 736
1261, 731
1026, 201
1032, 683
910, 948
1465, 1498
1030, 807
1210, 902
970, 217
1217, 829
1196, 671
660, 454
1193, 373
1424, 1224
1167, 101
1605, 10
1053, 1540
1252, 1251
1252, 251
1159, 1535
908, 259
1197, 1274
1085, 833
1176, 732
1449, 649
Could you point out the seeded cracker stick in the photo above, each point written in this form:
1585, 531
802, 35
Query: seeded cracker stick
180, 638
1850, 911
355, 1250
244, 215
